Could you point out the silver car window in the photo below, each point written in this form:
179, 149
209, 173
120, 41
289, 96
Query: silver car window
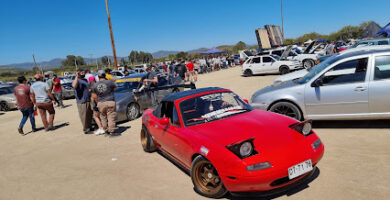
382, 68
351, 71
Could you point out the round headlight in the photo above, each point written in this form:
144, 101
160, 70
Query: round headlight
246, 149
306, 129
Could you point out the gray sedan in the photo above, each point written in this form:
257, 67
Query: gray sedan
350, 86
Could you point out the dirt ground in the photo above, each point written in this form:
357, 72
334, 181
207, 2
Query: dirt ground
66, 164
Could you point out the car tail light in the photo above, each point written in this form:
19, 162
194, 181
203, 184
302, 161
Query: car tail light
303, 127
317, 62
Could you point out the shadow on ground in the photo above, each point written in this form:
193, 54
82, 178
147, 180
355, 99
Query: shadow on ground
295, 188
352, 124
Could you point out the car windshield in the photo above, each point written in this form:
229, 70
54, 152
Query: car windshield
317, 69
126, 86
276, 57
210, 107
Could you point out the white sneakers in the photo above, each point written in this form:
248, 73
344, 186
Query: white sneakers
99, 132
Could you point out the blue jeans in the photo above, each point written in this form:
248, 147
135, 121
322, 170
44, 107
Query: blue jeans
27, 113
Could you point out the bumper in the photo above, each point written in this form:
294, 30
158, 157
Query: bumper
12, 105
270, 179
304, 179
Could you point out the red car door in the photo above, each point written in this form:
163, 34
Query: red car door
176, 140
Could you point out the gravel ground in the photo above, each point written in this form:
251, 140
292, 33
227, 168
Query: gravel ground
66, 164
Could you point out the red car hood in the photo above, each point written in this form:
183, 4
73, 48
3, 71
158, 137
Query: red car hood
269, 130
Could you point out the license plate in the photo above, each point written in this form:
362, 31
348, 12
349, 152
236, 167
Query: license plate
300, 169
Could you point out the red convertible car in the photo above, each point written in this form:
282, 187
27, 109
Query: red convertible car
228, 146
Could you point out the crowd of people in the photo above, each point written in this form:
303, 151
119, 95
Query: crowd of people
94, 98
95, 94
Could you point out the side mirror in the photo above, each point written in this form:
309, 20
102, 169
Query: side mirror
246, 101
317, 83
164, 121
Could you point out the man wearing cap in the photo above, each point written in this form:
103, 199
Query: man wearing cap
43, 99
103, 94
57, 88
81, 86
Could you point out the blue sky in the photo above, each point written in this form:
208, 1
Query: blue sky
55, 28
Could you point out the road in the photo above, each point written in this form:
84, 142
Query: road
66, 164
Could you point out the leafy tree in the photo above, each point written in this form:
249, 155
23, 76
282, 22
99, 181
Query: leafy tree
105, 60
133, 57
71, 60
239, 46
181, 55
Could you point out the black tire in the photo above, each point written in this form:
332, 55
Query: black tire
308, 63
288, 109
209, 185
147, 141
4, 106
248, 73
284, 69
132, 111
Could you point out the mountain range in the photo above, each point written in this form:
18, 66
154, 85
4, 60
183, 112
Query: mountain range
57, 61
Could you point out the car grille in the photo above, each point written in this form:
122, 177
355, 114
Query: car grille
281, 181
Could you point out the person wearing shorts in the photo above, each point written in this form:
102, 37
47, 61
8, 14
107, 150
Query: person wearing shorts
43, 99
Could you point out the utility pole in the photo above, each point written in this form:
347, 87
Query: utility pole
281, 12
90, 59
97, 65
75, 63
112, 35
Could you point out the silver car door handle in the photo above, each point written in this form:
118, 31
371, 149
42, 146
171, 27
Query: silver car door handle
358, 89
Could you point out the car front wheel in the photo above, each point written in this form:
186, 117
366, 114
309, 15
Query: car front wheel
4, 106
147, 141
206, 179
307, 64
288, 109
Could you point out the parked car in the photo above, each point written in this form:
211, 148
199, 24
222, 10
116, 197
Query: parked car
130, 103
268, 64
301, 73
7, 97
117, 74
228, 146
352, 85
371, 42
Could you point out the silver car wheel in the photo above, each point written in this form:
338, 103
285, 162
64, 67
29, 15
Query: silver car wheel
4, 106
288, 109
307, 64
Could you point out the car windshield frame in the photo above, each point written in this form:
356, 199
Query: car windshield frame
240, 108
317, 69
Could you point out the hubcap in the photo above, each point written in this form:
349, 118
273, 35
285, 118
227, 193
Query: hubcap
285, 110
206, 178
132, 111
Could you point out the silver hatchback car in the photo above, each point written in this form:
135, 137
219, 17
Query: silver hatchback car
350, 86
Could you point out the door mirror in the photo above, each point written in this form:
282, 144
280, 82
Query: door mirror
164, 121
246, 101
317, 83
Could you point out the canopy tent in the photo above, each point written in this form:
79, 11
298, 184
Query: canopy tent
385, 30
321, 40
212, 51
